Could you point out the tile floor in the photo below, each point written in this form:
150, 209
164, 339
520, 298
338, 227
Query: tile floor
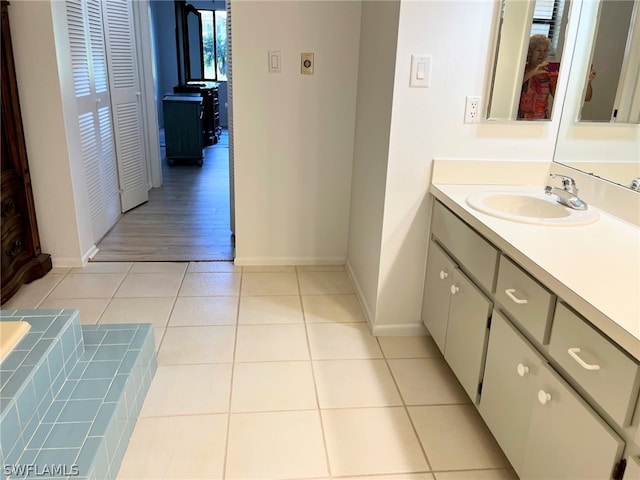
270, 372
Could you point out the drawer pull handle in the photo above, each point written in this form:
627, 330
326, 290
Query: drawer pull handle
543, 397
454, 289
519, 301
443, 274
522, 369
574, 354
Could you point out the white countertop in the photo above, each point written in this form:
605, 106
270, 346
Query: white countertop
594, 268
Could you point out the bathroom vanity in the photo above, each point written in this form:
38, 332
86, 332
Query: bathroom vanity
541, 326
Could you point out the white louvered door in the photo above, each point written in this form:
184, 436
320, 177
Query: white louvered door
88, 58
124, 86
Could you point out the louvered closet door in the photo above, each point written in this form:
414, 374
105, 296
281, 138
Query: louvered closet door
86, 38
124, 86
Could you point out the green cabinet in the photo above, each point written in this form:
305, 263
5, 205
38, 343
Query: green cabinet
183, 128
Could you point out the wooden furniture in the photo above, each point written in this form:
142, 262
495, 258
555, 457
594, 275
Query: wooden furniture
558, 395
183, 127
22, 258
211, 128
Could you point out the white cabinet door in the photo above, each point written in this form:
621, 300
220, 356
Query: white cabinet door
509, 387
435, 300
566, 439
467, 332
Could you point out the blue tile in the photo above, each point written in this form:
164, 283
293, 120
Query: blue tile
79, 411
118, 337
4, 314
106, 369
30, 428
69, 344
42, 378
28, 456
86, 389
15, 383
55, 358
67, 389
40, 324
26, 402
40, 435
52, 414
14, 360
68, 435
119, 326
110, 352
111, 439
57, 383
103, 420
5, 403
129, 362
38, 352
117, 388
92, 337
56, 327
15, 453
29, 341
101, 463
139, 339
78, 370
86, 459
10, 431
46, 399
58, 456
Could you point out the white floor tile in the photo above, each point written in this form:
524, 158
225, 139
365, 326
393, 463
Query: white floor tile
269, 283
355, 383
260, 343
188, 345
332, 308
159, 267
271, 386
210, 284
371, 441
455, 438
204, 311
158, 334
275, 445
210, 267
104, 267
87, 285
270, 309
409, 347
90, 308
503, 474
138, 310
427, 381
320, 268
268, 268
404, 476
189, 446
332, 341
318, 283
149, 285
188, 390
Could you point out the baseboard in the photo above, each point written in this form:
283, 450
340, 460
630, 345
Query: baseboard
63, 262
365, 307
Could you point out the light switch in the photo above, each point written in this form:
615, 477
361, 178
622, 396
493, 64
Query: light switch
275, 61
420, 71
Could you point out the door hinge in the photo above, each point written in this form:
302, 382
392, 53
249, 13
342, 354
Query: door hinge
618, 472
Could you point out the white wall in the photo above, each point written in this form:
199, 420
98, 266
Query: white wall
378, 37
427, 123
58, 186
293, 133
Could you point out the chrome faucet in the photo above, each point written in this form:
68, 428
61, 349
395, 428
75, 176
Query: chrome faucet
568, 194
635, 184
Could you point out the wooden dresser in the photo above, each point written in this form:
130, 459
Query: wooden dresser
22, 258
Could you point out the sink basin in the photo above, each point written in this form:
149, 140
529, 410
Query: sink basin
534, 208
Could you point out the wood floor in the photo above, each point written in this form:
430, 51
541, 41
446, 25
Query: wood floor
187, 219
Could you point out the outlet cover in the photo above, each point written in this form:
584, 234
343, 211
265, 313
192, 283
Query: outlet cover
472, 110
306, 63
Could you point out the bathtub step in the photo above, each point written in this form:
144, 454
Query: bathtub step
82, 430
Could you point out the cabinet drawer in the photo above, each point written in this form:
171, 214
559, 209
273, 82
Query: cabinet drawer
604, 371
475, 255
524, 299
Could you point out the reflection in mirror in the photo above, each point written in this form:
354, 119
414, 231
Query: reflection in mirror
193, 51
608, 150
516, 71
615, 64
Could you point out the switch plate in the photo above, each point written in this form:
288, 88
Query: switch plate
472, 110
275, 61
420, 71
306, 63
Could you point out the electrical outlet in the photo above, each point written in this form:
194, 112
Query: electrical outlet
472, 110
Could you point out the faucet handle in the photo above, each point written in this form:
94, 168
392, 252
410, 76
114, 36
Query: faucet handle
568, 183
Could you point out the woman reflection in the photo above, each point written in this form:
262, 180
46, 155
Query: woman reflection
538, 82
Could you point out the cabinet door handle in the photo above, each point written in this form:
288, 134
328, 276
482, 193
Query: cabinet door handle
574, 354
454, 289
443, 274
522, 369
519, 301
543, 397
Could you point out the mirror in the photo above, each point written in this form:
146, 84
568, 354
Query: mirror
188, 42
615, 62
523, 83
607, 149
